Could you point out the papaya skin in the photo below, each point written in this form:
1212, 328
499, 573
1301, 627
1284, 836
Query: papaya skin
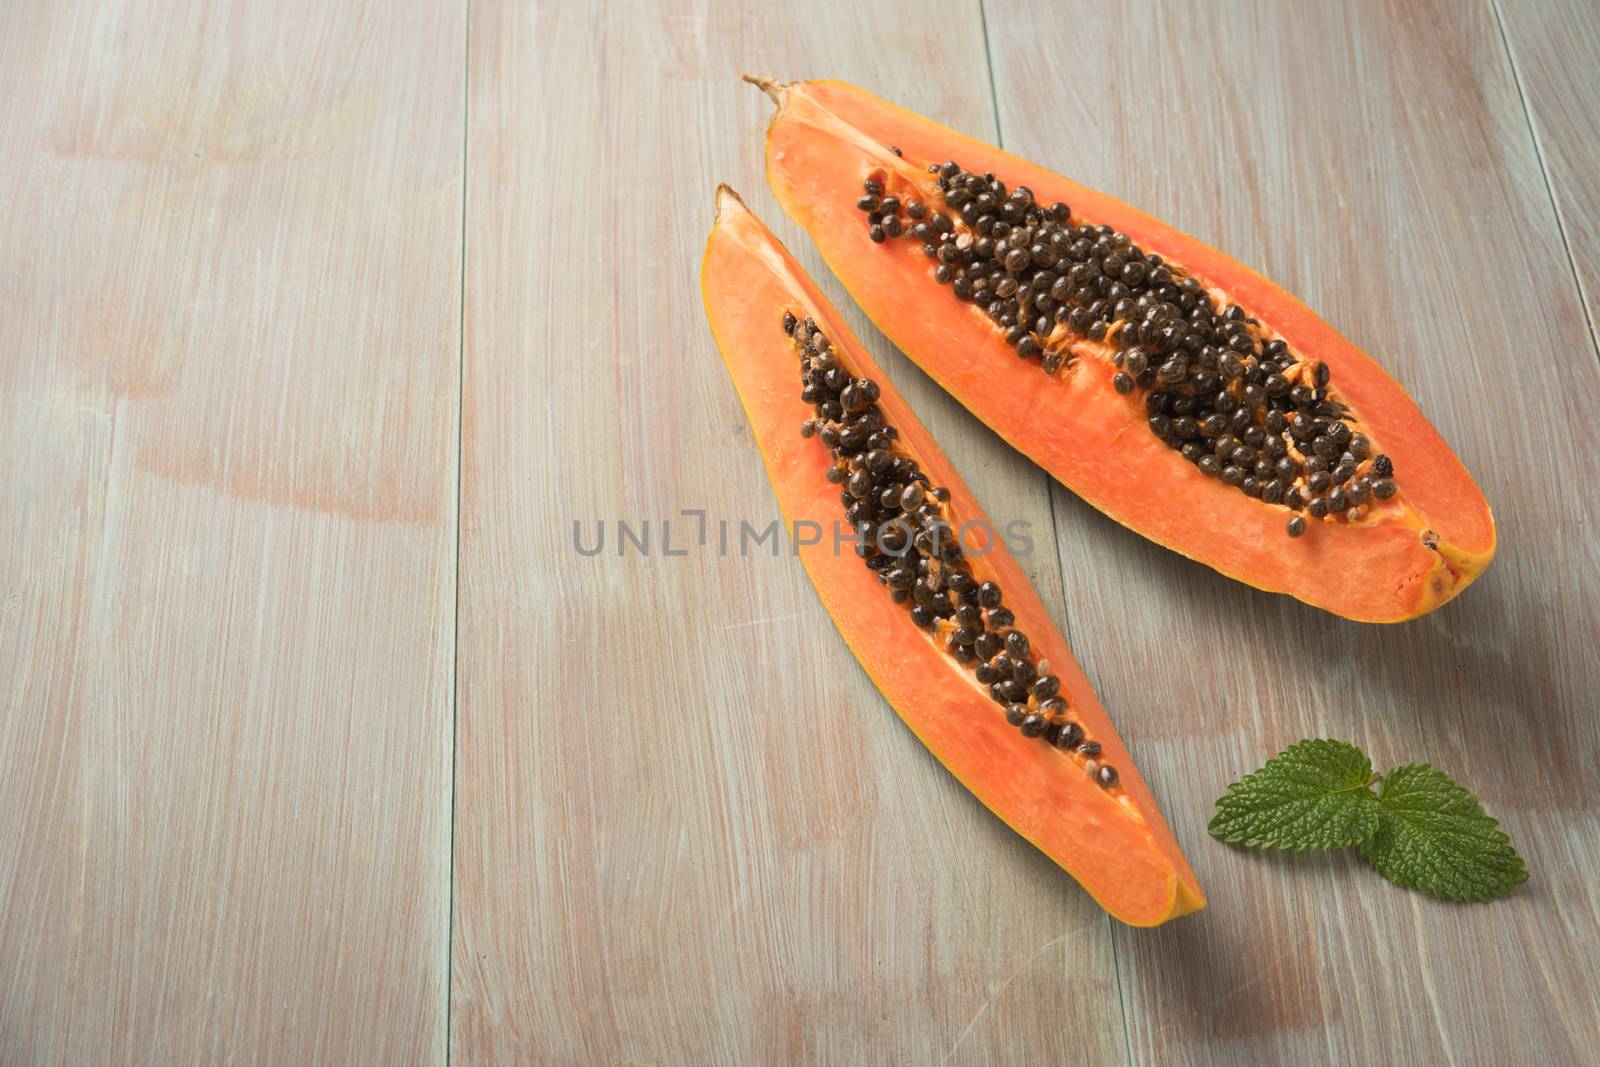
1404, 558
1114, 842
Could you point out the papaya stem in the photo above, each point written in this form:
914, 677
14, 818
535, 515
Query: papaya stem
727, 199
774, 89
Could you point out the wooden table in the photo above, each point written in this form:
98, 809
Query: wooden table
322, 323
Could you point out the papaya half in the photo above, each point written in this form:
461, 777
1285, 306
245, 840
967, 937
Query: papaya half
1171, 387
922, 587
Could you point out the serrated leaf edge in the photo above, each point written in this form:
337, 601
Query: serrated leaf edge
1237, 785
1259, 842
1497, 836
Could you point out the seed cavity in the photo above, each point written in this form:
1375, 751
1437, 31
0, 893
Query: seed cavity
906, 536
1218, 387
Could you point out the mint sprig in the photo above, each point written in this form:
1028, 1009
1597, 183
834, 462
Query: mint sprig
1434, 836
1420, 830
1311, 795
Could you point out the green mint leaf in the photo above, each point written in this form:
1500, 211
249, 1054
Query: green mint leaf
1311, 795
1433, 836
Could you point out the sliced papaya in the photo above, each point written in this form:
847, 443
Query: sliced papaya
1171, 387
921, 585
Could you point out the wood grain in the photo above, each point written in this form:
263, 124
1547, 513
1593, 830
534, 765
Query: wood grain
1555, 52
688, 829
1375, 159
228, 400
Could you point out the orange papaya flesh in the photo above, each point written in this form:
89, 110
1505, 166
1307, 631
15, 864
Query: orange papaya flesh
1388, 561
1112, 839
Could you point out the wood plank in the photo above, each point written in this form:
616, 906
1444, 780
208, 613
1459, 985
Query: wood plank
1374, 158
688, 829
1555, 54
228, 397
